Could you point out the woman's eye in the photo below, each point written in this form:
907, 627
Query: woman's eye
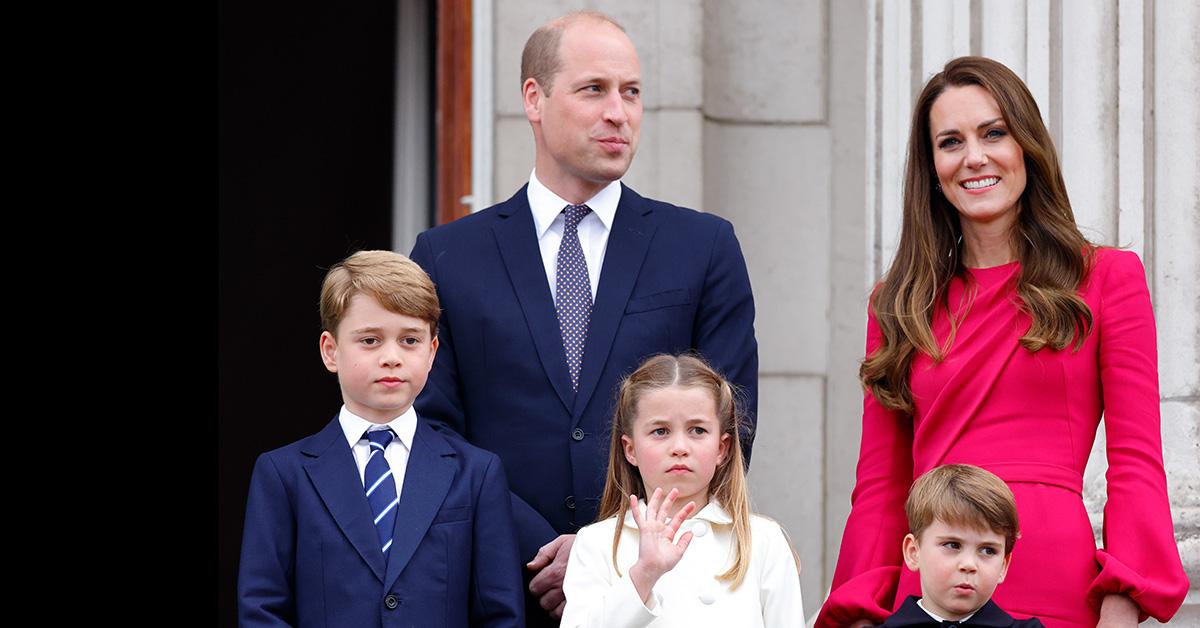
662, 431
948, 142
994, 133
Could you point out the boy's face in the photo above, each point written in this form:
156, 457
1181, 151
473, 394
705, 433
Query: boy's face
960, 567
381, 359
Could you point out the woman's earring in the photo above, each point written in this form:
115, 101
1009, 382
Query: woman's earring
954, 248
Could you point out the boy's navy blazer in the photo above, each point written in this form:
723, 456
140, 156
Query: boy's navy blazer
673, 279
311, 557
909, 615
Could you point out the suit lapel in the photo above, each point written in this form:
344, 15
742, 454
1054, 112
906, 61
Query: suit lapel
427, 480
334, 473
632, 230
517, 239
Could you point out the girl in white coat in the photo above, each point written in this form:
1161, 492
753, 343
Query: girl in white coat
649, 562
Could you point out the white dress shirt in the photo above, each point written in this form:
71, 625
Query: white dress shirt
935, 617
396, 454
689, 595
593, 230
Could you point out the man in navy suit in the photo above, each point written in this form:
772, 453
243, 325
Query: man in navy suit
552, 296
378, 520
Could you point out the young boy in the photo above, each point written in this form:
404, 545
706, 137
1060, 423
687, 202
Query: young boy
377, 520
963, 524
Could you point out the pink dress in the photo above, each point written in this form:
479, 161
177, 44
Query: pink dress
1031, 419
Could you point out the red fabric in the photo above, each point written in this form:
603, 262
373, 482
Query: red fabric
1030, 418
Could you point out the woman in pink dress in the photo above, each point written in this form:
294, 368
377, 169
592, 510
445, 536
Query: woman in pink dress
999, 337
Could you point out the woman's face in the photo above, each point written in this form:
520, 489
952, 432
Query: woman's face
979, 165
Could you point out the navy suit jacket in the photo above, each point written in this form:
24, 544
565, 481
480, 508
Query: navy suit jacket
673, 279
311, 557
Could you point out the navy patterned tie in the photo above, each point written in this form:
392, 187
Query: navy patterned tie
381, 488
573, 291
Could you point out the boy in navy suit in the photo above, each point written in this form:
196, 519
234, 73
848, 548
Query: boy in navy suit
377, 520
963, 524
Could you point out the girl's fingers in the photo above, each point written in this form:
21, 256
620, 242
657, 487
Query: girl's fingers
684, 542
683, 513
666, 505
652, 505
637, 513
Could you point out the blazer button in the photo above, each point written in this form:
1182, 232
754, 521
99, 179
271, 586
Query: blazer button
391, 602
577, 434
570, 502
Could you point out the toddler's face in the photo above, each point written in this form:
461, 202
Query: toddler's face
960, 567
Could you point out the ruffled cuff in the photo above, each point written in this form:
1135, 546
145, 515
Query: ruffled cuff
869, 595
1159, 599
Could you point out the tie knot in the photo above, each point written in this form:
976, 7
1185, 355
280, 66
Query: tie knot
380, 438
575, 213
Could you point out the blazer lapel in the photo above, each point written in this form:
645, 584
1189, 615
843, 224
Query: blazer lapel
427, 480
628, 242
334, 473
517, 241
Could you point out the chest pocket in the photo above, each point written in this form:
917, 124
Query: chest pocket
659, 300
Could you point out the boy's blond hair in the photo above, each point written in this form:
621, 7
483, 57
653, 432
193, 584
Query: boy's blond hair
396, 282
963, 495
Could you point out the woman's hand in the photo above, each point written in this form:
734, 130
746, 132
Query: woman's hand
658, 553
1118, 611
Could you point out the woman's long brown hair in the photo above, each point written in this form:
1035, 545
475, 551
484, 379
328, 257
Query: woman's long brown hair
1054, 255
728, 485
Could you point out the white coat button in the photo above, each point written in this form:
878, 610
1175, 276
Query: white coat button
700, 528
707, 597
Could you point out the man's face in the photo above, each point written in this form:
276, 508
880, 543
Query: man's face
586, 129
960, 567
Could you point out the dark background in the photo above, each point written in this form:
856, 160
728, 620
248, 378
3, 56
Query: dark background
305, 158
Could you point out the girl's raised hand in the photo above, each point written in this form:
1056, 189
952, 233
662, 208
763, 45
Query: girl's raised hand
658, 552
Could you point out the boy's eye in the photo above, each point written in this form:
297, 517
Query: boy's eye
370, 341
411, 341
988, 551
951, 545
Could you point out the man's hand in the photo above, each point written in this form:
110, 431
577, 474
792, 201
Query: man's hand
551, 565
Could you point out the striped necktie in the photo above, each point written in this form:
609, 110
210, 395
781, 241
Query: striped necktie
381, 487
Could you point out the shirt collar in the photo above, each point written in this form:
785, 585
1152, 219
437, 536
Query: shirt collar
942, 619
712, 513
547, 205
354, 426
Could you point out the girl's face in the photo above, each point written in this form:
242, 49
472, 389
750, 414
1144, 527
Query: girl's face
676, 442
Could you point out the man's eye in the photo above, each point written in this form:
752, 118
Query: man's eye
634, 91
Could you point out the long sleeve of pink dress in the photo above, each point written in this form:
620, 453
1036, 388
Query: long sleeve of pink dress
1030, 418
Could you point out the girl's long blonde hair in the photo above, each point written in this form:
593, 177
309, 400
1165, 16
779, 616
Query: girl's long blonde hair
728, 485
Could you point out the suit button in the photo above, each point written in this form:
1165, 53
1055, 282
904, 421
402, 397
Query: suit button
391, 602
570, 502
577, 434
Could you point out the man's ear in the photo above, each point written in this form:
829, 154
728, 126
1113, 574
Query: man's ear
532, 96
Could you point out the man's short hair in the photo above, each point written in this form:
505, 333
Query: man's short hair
396, 282
963, 495
540, 60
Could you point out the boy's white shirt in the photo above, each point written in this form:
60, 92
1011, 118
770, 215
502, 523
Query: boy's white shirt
941, 619
688, 595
